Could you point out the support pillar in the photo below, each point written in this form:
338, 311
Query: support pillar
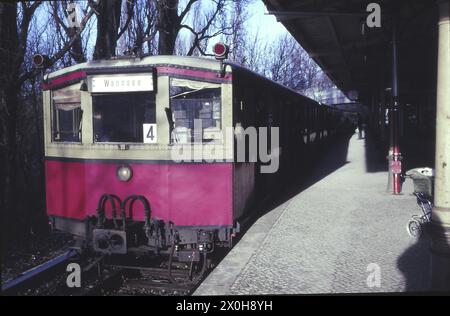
440, 242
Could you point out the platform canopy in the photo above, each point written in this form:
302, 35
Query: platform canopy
358, 58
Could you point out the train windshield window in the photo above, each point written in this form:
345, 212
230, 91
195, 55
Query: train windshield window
66, 116
194, 102
120, 117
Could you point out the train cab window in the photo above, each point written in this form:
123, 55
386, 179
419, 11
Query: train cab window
192, 101
66, 115
120, 117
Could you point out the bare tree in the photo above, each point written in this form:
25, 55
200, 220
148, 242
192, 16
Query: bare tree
213, 25
142, 29
238, 33
207, 21
108, 22
15, 21
59, 10
289, 64
169, 23
12, 51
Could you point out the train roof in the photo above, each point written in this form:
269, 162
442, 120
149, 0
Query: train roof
262, 78
186, 61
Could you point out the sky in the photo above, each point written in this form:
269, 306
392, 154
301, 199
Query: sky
260, 21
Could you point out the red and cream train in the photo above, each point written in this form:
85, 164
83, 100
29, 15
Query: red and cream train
110, 127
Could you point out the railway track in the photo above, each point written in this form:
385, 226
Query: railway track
162, 278
39, 274
138, 274
105, 275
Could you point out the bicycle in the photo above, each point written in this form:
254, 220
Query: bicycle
415, 224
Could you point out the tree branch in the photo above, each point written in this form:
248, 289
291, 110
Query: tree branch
30, 74
28, 12
57, 18
130, 13
186, 10
212, 18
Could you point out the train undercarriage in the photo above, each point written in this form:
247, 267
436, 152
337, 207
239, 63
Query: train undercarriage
120, 234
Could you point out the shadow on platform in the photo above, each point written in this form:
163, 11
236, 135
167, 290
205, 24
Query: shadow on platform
375, 154
425, 269
415, 265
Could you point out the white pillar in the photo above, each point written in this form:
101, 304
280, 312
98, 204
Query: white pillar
441, 210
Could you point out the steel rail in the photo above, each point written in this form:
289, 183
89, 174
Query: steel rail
33, 273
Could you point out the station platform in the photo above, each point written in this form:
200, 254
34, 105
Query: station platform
331, 237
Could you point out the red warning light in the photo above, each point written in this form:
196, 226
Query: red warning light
40, 61
220, 51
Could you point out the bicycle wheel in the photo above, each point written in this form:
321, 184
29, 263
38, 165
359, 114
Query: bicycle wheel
414, 228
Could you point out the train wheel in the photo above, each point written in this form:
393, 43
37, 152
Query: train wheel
414, 228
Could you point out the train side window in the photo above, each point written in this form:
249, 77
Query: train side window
195, 100
120, 117
66, 115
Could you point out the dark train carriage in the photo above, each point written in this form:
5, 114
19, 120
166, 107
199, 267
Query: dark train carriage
303, 123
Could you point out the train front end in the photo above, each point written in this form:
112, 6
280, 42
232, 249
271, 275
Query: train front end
136, 156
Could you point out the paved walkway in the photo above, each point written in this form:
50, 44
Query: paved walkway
323, 239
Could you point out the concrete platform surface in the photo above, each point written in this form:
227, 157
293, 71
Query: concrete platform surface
343, 234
